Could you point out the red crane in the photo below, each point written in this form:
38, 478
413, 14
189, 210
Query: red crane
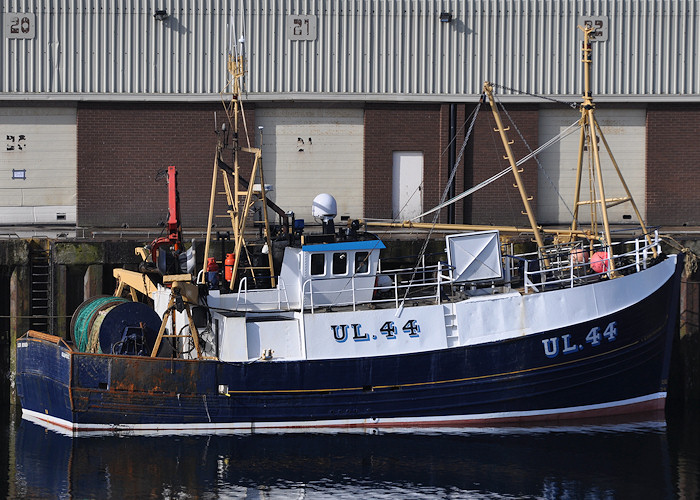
173, 241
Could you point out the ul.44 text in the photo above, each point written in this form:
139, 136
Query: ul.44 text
554, 346
389, 331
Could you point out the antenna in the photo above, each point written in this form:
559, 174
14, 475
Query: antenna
233, 41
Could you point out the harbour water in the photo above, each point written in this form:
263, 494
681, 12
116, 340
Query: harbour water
649, 457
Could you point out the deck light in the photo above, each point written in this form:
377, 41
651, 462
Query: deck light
445, 17
161, 15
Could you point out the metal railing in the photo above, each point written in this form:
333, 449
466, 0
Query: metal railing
281, 303
393, 286
569, 264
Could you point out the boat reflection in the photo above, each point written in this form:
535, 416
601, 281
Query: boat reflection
593, 460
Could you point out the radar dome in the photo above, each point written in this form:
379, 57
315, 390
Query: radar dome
324, 207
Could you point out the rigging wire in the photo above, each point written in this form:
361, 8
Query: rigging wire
453, 172
466, 193
565, 133
533, 155
473, 117
498, 148
571, 104
442, 154
396, 218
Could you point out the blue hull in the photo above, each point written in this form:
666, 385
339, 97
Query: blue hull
552, 375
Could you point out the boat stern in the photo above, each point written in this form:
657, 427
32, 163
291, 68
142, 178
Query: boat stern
44, 378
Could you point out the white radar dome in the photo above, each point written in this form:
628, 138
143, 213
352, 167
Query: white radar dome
324, 207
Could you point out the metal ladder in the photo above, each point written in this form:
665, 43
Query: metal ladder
451, 327
41, 286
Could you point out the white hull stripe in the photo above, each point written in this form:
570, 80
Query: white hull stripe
446, 421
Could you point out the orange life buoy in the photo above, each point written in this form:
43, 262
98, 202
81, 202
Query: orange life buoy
600, 262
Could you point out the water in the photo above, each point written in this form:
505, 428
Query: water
646, 458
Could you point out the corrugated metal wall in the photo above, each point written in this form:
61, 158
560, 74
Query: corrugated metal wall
362, 49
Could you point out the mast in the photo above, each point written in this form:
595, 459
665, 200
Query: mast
590, 134
488, 90
245, 193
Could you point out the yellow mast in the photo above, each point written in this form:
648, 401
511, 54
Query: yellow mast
590, 131
477, 227
589, 136
239, 201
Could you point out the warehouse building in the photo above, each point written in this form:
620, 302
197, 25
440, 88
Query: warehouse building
357, 98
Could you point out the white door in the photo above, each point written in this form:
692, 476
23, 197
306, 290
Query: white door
407, 185
625, 132
38, 165
309, 151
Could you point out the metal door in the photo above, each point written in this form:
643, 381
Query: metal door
38, 165
309, 151
407, 184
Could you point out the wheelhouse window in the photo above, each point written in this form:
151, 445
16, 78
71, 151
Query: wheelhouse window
361, 262
318, 264
340, 263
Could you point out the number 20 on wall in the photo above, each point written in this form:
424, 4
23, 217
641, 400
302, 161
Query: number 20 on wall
19, 25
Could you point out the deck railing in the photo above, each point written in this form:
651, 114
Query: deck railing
569, 266
281, 298
393, 287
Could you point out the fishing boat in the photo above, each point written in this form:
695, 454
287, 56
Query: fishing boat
288, 330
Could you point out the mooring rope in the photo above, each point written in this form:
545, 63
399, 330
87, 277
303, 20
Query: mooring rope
691, 261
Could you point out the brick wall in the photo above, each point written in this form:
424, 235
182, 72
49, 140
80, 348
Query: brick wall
121, 148
673, 164
410, 127
399, 127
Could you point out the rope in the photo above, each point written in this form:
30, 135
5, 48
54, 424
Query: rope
560, 136
466, 193
88, 319
691, 260
442, 200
